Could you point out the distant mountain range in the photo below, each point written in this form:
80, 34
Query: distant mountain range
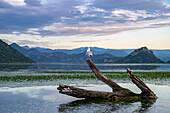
96, 50
101, 55
17, 54
59, 57
11, 55
164, 55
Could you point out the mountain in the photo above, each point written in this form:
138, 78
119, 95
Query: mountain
100, 55
37, 56
95, 50
81, 57
168, 61
18, 48
10, 55
142, 55
34, 54
26, 47
45, 50
128, 51
162, 54
115, 52
59, 57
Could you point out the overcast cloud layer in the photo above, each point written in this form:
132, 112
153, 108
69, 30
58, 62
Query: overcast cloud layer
81, 17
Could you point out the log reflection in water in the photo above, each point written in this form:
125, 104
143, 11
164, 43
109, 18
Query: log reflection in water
104, 106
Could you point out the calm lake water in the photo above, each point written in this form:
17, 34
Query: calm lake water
46, 99
83, 67
43, 96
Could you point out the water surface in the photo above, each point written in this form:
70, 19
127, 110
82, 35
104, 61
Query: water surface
42, 96
83, 67
46, 99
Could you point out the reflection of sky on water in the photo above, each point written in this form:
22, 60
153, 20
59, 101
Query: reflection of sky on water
46, 99
69, 67
48, 93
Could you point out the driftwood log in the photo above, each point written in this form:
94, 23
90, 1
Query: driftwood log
118, 91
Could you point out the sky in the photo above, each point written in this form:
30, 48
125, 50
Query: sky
68, 24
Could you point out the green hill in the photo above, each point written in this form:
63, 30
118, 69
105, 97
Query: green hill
10, 55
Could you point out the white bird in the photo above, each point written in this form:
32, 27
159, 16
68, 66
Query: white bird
89, 53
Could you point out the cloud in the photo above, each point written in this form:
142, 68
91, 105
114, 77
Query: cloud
35, 43
133, 15
129, 4
33, 2
4, 4
108, 27
21, 19
7, 41
16, 2
50, 44
91, 41
74, 17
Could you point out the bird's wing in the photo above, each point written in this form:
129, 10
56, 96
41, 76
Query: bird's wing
86, 52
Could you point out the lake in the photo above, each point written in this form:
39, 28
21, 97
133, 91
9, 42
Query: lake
46, 99
83, 67
42, 96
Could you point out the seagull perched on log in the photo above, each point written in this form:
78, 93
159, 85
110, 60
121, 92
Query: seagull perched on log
89, 53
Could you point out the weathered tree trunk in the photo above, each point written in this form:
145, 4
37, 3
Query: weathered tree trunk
118, 91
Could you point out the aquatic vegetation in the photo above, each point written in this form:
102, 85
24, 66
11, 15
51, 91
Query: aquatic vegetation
45, 78
54, 75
